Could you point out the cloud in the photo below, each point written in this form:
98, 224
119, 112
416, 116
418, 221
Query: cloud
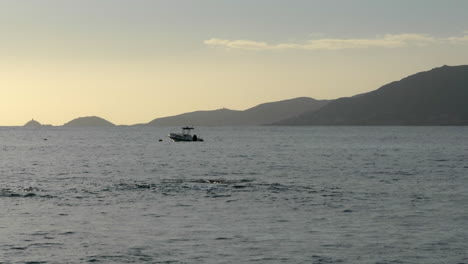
385, 41
238, 44
459, 40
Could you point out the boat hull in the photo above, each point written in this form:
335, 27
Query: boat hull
183, 138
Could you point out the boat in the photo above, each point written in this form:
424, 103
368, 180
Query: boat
185, 136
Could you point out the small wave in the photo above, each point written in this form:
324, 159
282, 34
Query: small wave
22, 193
13, 194
67, 233
18, 248
211, 185
325, 259
223, 238
441, 160
218, 195
132, 255
215, 188
219, 181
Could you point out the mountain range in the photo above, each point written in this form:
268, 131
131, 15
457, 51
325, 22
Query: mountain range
435, 97
259, 115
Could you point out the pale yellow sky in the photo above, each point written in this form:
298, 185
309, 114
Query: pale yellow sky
130, 64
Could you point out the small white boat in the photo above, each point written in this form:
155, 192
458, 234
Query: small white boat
185, 136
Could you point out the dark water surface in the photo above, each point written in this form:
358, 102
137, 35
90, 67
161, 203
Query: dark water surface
246, 195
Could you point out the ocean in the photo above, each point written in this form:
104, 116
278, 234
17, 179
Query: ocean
245, 195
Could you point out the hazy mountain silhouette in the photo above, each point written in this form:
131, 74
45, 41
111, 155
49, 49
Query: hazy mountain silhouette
89, 121
435, 97
262, 114
32, 123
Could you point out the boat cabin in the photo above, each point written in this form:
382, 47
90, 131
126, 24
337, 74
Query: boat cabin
187, 130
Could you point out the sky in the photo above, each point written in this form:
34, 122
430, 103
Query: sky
130, 61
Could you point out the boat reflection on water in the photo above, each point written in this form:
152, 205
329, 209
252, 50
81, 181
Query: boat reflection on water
185, 136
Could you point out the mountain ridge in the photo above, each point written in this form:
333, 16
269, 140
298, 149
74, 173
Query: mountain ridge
434, 97
258, 115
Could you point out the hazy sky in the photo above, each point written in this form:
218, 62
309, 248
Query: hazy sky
130, 61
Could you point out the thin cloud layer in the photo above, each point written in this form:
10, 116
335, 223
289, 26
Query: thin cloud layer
386, 41
459, 40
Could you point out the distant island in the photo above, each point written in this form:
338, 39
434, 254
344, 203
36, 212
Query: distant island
89, 121
432, 98
32, 123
